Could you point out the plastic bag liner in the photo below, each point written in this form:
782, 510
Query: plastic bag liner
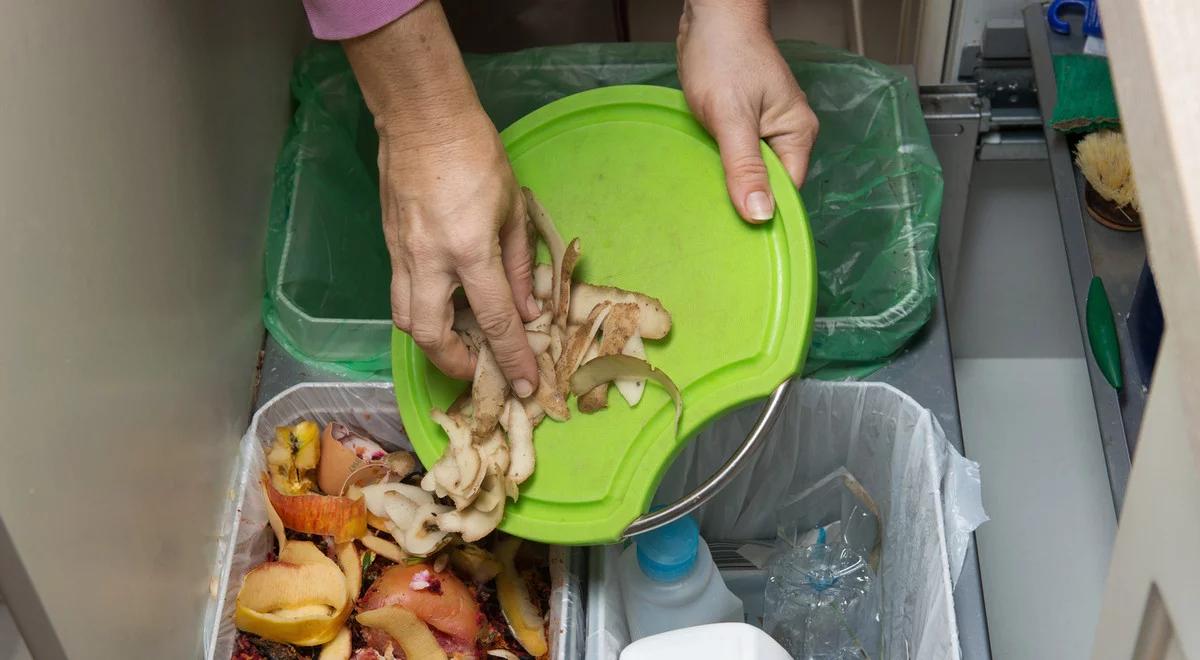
873, 196
246, 537
928, 494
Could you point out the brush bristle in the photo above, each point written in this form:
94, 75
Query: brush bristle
1104, 161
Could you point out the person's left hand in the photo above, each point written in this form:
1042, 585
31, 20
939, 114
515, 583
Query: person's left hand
739, 86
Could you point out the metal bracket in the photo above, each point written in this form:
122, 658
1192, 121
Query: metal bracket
1002, 70
958, 102
991, 114
955, 115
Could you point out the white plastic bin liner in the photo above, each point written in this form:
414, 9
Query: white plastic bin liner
928, 493
246, 539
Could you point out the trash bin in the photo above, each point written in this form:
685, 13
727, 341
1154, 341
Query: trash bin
928, 498
873, 195
246, 538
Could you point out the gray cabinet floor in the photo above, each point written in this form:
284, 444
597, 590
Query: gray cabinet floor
1028, 419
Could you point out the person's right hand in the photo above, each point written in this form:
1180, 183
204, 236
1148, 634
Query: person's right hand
453, 213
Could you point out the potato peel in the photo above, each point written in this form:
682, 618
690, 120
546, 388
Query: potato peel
621, 324
488, 392
563, 295
545, 227
633, 388
543, 282
471, 523
654, 320
462, 483
593, 351
475, 562
556, 343
577, 346
612, 367
495, 452
461, 406
534, 411
541, 323
539, 342
520, 441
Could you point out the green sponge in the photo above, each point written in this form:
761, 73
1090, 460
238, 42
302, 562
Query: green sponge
1085, 95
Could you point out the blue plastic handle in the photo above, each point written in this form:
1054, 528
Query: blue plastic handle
1091, 17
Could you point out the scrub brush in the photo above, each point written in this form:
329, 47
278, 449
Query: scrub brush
1110, 192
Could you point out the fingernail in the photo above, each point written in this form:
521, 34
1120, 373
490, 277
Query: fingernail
522, 387
760, 205
531, 306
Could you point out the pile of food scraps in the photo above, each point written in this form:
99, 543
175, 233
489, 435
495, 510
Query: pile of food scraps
361, 571
585, 338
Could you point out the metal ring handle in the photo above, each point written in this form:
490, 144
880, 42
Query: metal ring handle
713, 485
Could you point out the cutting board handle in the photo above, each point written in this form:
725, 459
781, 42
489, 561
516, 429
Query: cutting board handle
704, 492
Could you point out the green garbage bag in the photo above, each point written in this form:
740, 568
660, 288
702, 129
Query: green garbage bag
873, 196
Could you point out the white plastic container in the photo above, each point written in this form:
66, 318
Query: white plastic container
728, 641
669, 581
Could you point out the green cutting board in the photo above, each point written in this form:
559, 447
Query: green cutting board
630, 172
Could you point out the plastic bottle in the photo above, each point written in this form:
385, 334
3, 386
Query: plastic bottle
819, 603
669, 581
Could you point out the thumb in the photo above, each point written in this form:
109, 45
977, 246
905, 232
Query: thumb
745, 172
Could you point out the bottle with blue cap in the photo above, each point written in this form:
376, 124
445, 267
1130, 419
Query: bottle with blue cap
669, 581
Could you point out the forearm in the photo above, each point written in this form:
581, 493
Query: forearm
747, 11
412, 74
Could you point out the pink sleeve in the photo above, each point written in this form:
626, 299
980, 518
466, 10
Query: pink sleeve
344, 19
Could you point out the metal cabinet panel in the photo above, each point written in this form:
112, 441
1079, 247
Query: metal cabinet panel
139, 139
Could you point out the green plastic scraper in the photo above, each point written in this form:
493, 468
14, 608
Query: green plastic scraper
631, 173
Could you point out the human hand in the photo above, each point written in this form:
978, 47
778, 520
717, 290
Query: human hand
740, 88
453, 213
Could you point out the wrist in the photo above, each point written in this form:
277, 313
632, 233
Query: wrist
411, 73
738, 13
